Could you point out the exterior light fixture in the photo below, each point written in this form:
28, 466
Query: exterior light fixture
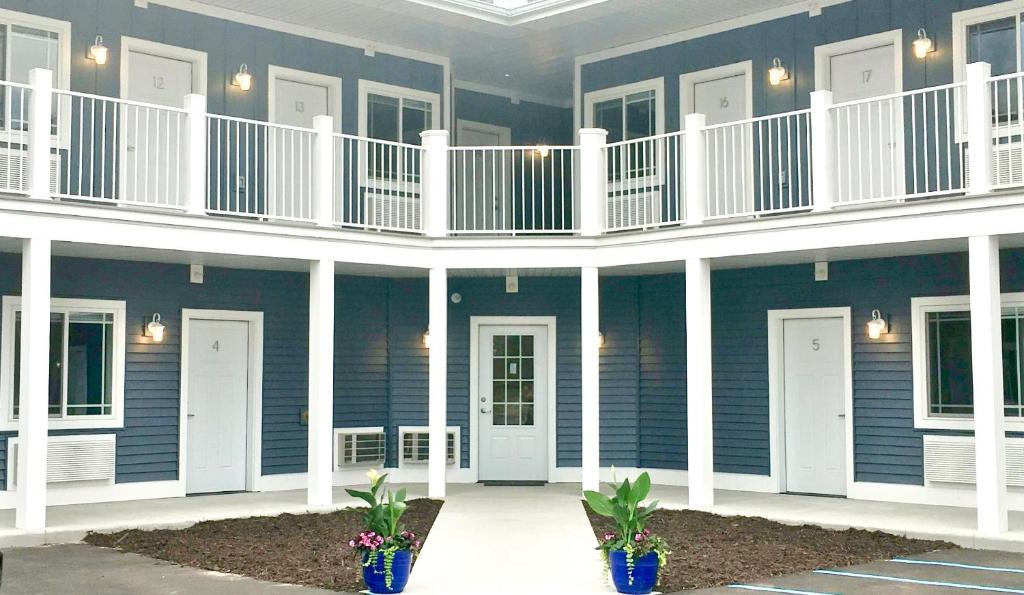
99, 52
156, 329
426, 339
877, 325
542, 152
600, 340
777, 73
242, 79
923, 44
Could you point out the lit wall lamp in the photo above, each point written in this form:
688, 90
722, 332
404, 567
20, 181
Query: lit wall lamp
777, 73
877, 325
542, 152
242, 79
99, 52
426, 339
600, 340
923, 44
156, 329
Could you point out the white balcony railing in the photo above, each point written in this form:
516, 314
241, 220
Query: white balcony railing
910, 145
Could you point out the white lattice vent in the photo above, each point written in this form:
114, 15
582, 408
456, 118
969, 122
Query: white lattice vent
359, 447
630, 210
392, 211
70, 458
416, 445
14, 170
1007, 165
950, 459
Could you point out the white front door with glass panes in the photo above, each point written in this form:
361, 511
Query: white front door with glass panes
634, 194
392, 167
512, 403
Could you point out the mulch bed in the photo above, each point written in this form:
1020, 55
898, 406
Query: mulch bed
709, 550
307, 549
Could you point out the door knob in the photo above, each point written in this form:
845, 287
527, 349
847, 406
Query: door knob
841, 416
484, 410
191, 415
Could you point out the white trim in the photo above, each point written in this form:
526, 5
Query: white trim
688, 80
398, 92
144, 46
332, 83
965, 18
919, 308
504, 133
475, 324
776, 397
116, 418
254, 411
824, 53
620, 92
61, 28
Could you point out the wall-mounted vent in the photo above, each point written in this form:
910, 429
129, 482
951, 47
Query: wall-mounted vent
629, 210
14, 170
950, 459
359, 447
1007, 165
416, 445
392, 211
70, 458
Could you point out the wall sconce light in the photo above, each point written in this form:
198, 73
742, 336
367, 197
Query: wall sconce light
242, 79
99, 52
542, 152
156, 329
923, 44
600, 340
877, 325
777, 73
426, 339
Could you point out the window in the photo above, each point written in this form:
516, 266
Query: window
943, 382
993, 34
86, 362
399, 115
27, 42
628, 113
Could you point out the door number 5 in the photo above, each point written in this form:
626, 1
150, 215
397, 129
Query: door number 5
816, 344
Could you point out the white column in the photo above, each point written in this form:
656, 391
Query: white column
323, 171
987, 358
700, 468
695, 168
40, 111
590, 372
321, 382
33, 415
437, 302
195, 165
823, 154
593, 197
435, 183
979, 127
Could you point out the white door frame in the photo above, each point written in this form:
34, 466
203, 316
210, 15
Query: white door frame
254, 410
196, 57
332, 83
475, 324
776, 392
504, 133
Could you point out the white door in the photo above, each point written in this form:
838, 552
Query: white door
513, 401
152, 147
295, 103
870, 149
485, 201
725, 100
815, 408
218, 388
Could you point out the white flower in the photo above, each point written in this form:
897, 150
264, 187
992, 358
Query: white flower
373, 475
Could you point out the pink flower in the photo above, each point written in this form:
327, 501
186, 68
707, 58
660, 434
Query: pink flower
639, 537
608, 536
352, 543
416, 544
647, 532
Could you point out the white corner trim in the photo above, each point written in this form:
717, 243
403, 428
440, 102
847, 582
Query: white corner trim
824, 53
620, 92
10, 304
366, 87
134, 44
776, 397
333, 84
254, 411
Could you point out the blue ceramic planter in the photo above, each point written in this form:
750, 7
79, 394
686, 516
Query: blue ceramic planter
645, 573
375, 576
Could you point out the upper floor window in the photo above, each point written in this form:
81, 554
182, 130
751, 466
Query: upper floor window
395, 114
628, 112
28, 42
86, 362
992, 34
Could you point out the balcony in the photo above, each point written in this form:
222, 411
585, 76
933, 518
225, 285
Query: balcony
75, 147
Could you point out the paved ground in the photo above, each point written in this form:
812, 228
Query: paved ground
87, 570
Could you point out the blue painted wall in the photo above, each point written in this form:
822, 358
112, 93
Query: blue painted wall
531, 123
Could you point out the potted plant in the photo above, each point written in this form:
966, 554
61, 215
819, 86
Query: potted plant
633, 556
385, 547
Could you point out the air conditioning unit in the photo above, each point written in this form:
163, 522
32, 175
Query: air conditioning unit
394, 211
950, 459
70, 458
1007, 165
359, 447
627, 211
14, 170
416, 445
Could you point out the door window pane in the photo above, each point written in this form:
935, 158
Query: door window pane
513, 383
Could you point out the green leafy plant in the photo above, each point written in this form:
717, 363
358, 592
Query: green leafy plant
630, 514
384, 534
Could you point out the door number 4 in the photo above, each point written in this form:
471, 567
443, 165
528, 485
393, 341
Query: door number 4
216, 346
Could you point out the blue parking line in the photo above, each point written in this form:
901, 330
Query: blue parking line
955, 565
913, 581
779, 590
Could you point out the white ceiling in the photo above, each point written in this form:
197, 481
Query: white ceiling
536, 53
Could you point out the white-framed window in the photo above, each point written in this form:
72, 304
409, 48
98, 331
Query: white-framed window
943, 384
395, 115
27, 42
86, 362
628, 112
992, 34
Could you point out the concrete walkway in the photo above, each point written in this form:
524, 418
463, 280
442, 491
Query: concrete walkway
510, 540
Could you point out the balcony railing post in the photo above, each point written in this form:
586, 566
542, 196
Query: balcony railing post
695, 168
323, 171
435, 183
593, 198
823, 151
979, 128
40, 114
195, 141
